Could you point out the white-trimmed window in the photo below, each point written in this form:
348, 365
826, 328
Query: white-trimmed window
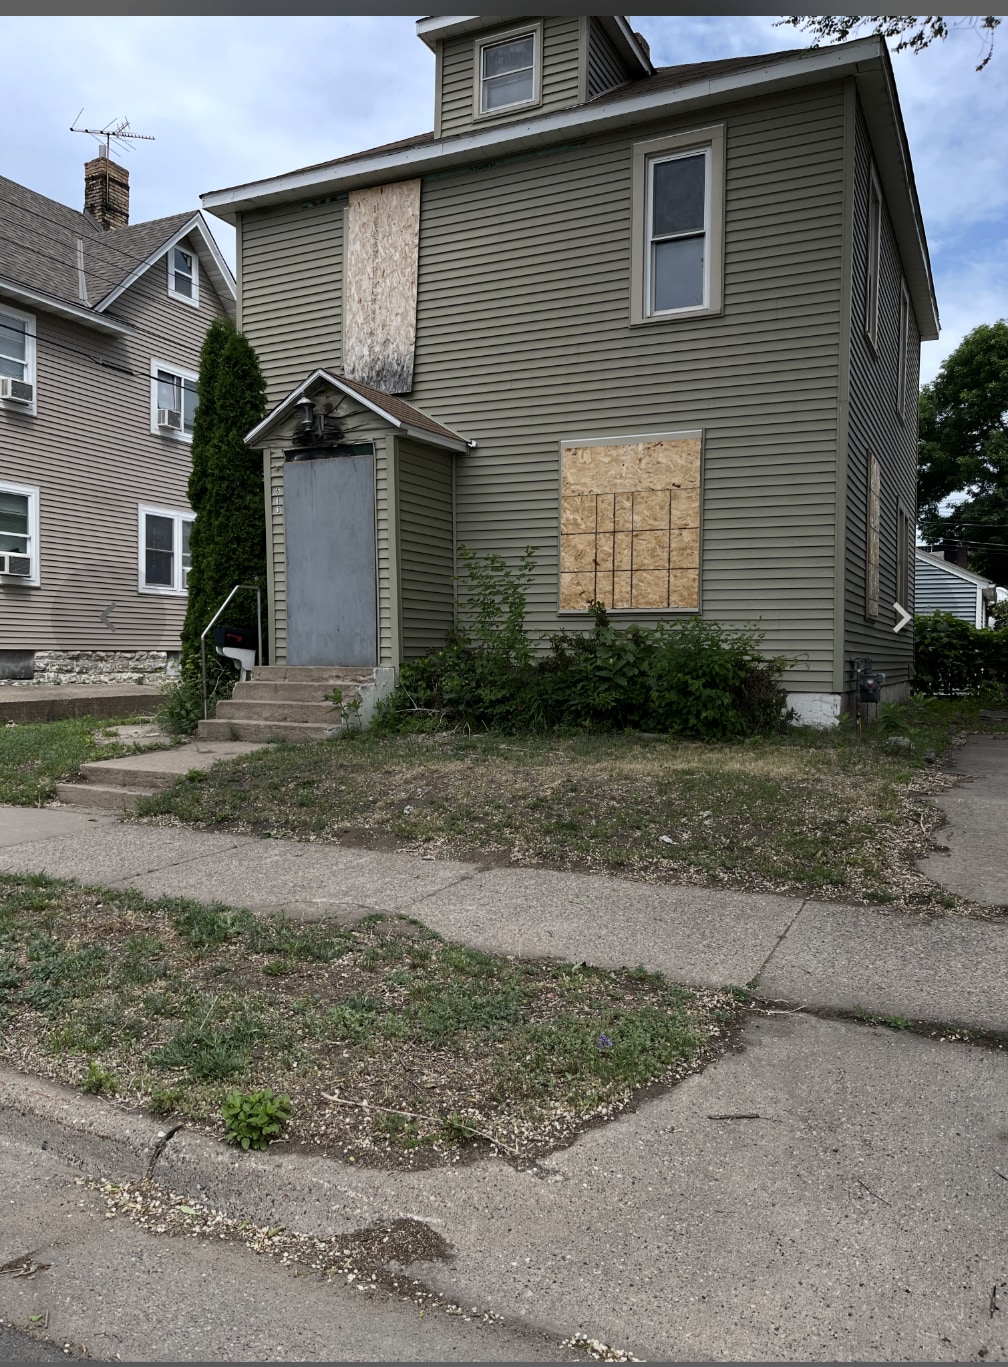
903, 368
173, 400
678, 225
19, 534
164, 550
874, 257
17, 360
183, 275
508, 71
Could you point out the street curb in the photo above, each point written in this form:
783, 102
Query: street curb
81, 1130
317, 1195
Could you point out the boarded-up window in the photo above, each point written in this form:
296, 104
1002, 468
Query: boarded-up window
379, 321
630, 524
872, 548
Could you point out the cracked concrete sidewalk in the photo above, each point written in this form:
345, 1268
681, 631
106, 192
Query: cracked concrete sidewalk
830, 1191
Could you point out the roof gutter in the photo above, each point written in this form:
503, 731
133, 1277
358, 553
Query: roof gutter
85, 316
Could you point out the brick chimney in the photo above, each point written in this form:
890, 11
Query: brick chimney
106, 192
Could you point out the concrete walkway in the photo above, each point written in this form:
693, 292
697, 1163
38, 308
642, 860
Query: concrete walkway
815, 954
830, 1192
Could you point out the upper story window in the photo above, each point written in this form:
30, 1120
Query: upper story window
874, 257
508, 71
174, 400
678, 227
17, 360
183, 275
903, 368
19, 534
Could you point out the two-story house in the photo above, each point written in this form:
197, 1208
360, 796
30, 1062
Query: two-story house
661, 324
101, 324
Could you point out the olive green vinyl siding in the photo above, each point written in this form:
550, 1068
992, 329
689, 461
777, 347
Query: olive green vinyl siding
292, 290
560, 75
426, 552
523, 341
605, 71
875, 428
90, 451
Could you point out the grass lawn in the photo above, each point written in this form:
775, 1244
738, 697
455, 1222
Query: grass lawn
170, 1004
35, 756
827, 814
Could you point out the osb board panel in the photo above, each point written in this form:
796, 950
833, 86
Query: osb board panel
379, 324
630, 525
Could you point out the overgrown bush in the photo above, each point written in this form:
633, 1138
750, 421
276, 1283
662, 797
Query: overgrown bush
951, 657
695, 679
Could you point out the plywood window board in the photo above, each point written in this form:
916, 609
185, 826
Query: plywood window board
630, 523
379, 324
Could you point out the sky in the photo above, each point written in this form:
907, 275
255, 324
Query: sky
230, 100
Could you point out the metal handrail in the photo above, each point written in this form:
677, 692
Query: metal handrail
213, 622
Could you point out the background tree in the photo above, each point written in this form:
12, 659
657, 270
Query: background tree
228, 539
914, 31
964, 450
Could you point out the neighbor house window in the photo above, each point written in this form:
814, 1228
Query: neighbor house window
508, 71
17, 360
902, 398
173, 400
677, 225
19, 534
874, 254
164, 550
183, 275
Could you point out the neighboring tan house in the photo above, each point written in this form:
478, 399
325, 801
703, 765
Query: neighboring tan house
101, 324
663, 325
944, 586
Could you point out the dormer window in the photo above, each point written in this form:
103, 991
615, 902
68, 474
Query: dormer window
183, 275
508, 71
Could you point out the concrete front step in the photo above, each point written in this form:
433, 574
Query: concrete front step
276, 690
242, 709
108, 798
261, 732
132, 771
313, 673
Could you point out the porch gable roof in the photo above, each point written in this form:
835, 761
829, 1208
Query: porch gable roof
410, 421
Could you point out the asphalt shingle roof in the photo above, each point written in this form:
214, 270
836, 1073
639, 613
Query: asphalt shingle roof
664, 78
38, 246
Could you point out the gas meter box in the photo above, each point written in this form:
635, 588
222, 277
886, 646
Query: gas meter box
870, 686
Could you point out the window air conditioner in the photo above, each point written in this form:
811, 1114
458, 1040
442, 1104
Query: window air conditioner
171, 418
17, 391
13, 564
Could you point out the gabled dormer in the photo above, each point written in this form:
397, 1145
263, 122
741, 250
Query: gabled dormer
491, 70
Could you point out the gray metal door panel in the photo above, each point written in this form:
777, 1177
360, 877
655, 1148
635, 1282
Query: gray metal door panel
332, 595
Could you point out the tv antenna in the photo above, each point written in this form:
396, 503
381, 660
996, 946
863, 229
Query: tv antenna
115, 131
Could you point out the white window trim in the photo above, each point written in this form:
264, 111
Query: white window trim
533, 31
180, 373
172, 291
874, 258
178, 516
32, 494
645, 154
30, 367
